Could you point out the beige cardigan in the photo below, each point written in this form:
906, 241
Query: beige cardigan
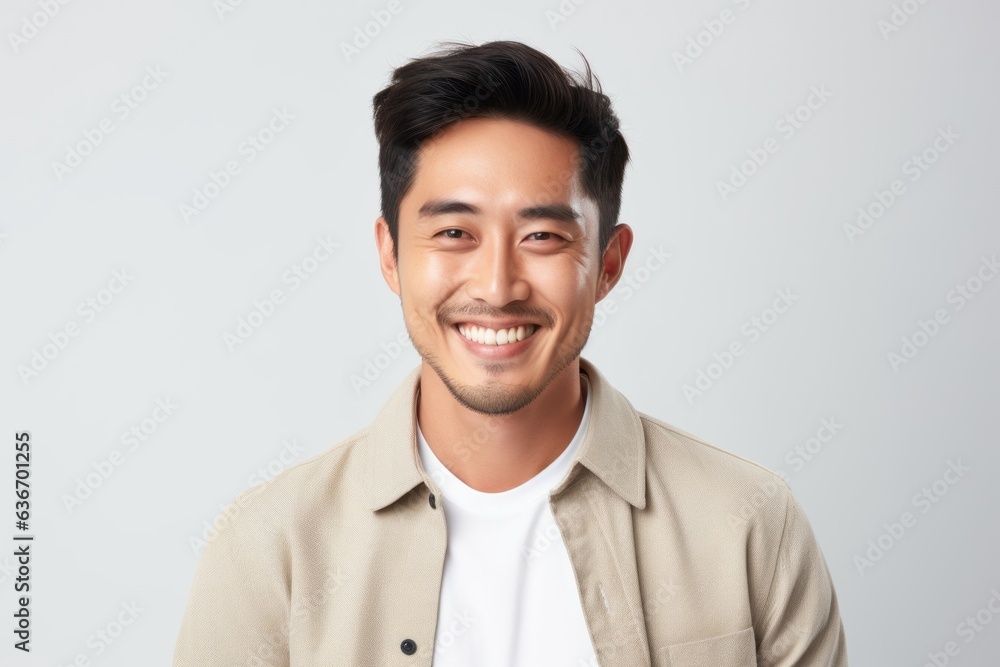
684, 555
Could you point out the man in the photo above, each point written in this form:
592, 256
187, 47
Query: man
508, 506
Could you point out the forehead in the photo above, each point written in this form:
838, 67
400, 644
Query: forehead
499, 161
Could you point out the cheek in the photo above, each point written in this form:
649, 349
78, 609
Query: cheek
414, 273
436, 273
426, 281
566, 286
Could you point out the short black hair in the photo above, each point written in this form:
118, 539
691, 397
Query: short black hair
501, 79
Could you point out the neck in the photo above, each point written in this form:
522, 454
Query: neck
494, 453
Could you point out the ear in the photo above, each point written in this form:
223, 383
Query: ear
613, 260
387, 263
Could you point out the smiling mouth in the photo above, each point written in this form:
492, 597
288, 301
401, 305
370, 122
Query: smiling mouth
498, 337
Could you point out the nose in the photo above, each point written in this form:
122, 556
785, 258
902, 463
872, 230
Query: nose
497, 274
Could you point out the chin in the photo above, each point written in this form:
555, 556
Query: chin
493, 399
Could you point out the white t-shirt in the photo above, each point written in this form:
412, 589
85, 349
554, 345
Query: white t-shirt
509, 595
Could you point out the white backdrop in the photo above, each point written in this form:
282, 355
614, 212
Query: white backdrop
812, 181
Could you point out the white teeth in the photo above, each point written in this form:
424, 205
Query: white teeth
486, 336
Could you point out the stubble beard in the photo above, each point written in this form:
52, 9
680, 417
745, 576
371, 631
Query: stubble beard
499, 398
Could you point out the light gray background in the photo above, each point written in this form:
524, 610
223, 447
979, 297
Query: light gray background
827, 357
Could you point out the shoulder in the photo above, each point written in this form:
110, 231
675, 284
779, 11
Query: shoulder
694, 473
247, 552
275, 506
721, 502
688, 453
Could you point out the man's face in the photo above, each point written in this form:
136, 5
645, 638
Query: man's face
497, 239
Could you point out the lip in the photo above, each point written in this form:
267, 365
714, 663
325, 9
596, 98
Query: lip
500, 324
496, 352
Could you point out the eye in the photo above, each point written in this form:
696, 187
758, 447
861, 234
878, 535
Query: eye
545, 236
447, 233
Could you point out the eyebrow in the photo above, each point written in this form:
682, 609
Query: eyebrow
558, 212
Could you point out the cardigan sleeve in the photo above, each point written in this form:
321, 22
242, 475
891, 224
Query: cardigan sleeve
799, 621
237, 611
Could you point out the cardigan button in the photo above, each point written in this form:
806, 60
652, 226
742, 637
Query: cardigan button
432, 502
409, 647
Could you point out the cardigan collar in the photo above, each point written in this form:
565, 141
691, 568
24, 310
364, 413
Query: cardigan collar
613, 447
